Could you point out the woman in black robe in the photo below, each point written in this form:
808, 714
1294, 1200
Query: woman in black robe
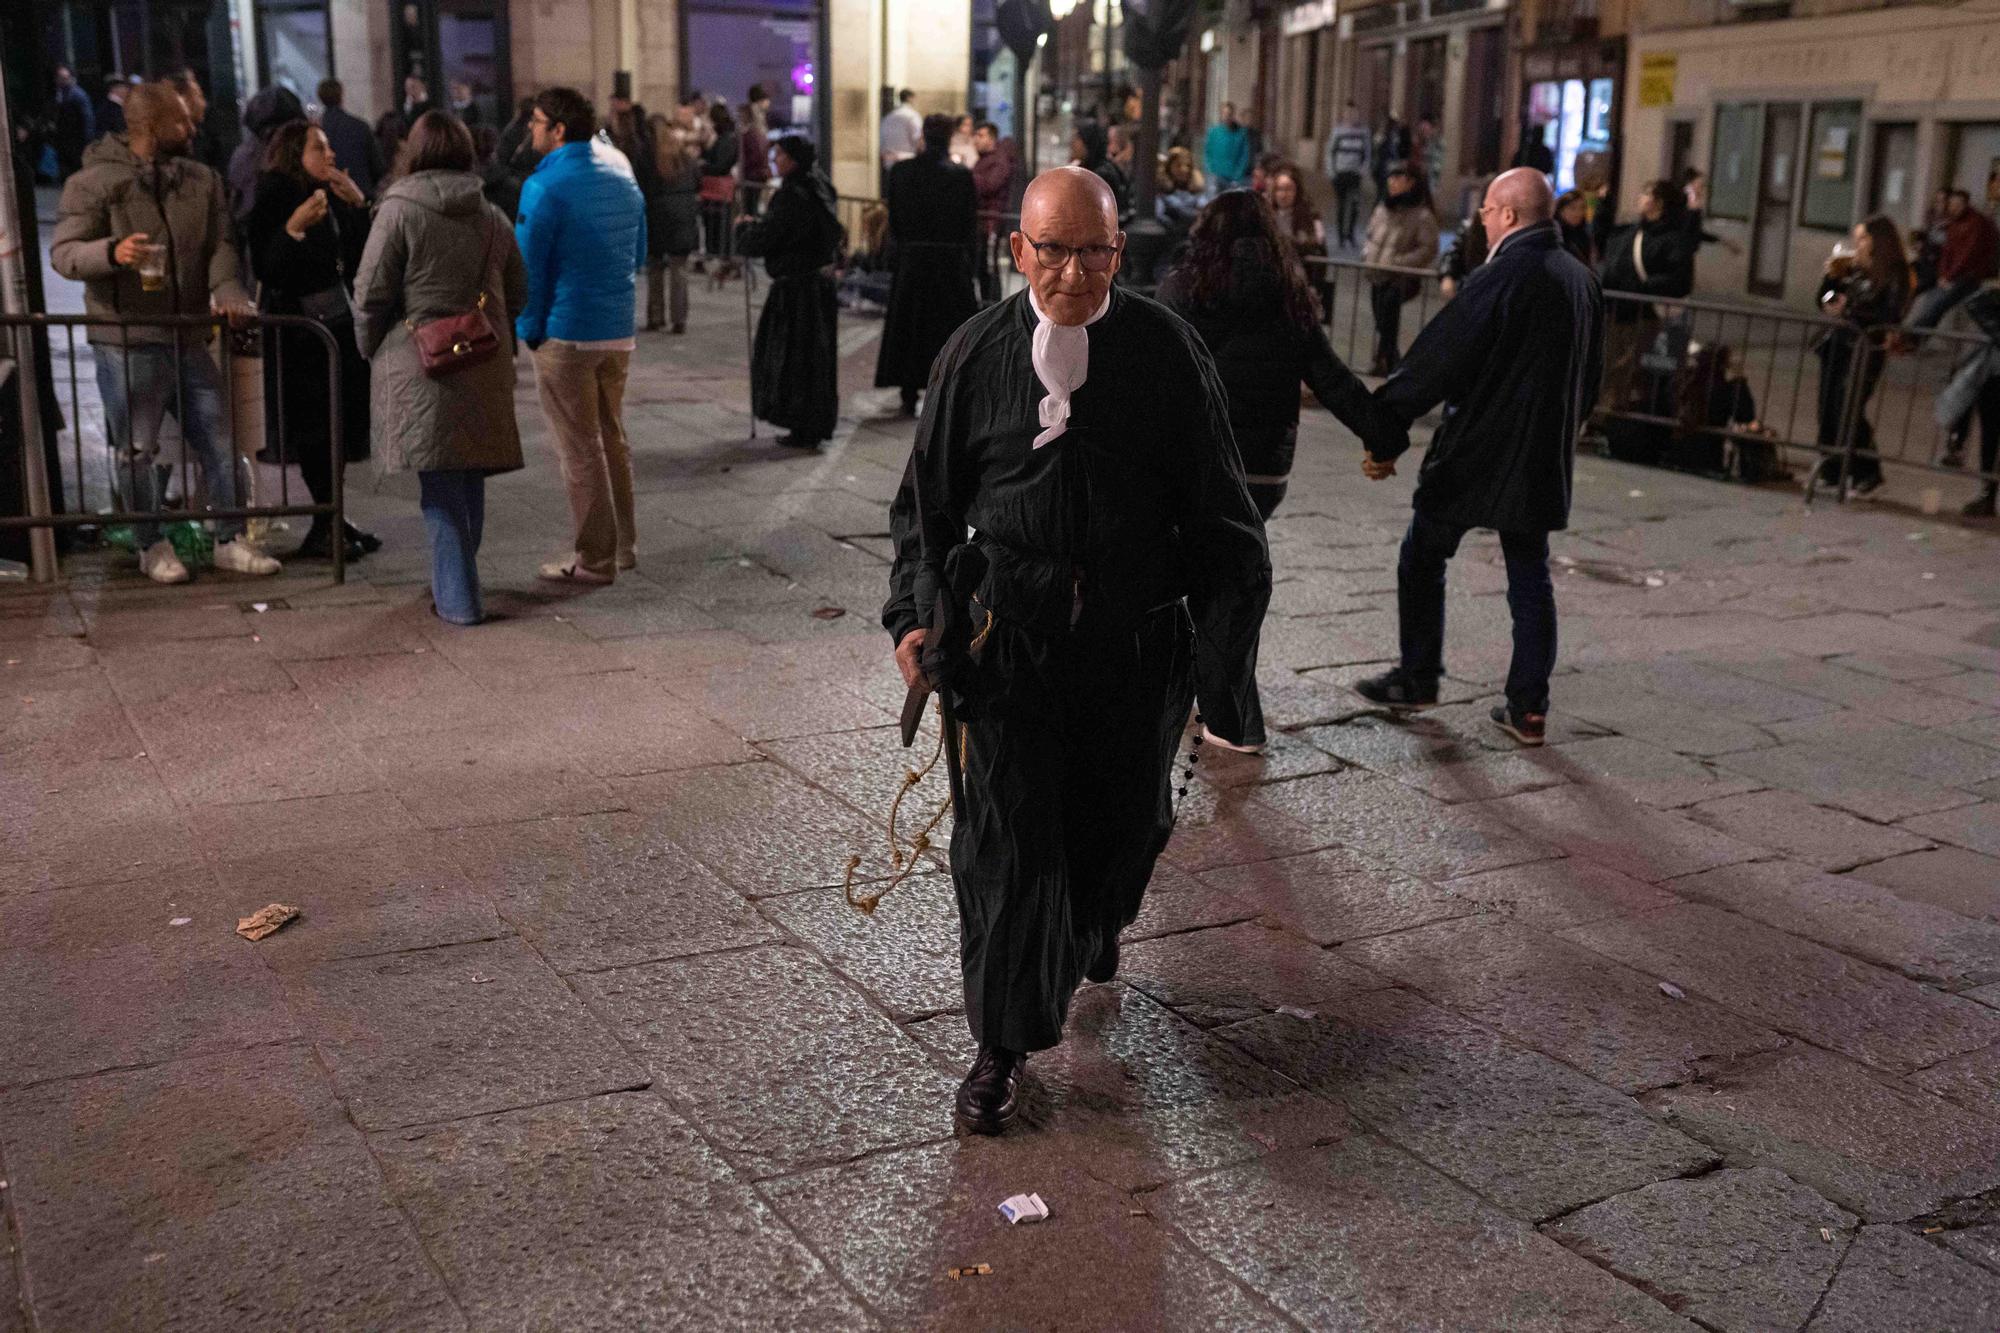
933, 229
305, 230
795, 364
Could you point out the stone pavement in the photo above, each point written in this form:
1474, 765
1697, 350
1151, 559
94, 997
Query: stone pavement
1691, 1019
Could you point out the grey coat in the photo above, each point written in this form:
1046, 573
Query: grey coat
178, 203
432, 231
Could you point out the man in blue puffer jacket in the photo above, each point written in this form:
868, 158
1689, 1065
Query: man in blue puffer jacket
582, 230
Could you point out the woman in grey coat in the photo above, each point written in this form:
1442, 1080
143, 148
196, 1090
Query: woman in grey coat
438, 249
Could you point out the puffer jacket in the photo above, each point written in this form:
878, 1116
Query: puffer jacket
176, 201
582, 231
1405, 236
432, 232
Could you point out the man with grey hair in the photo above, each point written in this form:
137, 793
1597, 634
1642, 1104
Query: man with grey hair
1515, 358
1117, 572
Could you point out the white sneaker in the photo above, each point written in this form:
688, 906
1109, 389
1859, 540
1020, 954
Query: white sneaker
243, 558
159, 563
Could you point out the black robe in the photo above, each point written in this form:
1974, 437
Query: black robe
1126, 574
934, 227
795, 362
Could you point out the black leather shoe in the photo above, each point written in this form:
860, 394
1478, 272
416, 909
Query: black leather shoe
367, 541
986, 1100
1106, 966
1398, 691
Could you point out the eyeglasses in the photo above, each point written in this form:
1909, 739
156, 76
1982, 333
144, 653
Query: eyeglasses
1054, 254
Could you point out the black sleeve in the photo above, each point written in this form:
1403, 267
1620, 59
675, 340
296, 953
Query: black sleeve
1444, 357
1742, 405
779, 229
1227, 562
1350, 402
927, 517
274, 255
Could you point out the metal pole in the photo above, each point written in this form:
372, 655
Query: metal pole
750, 345
14, 301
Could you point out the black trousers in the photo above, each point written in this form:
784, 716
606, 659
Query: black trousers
1837, 365
1068, 776
1346, 206
1531, 598
1385, 299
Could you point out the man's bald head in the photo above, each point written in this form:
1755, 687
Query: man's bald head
1516, 199
1067, 189
1070, 213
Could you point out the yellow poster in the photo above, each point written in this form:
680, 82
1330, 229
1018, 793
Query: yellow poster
1656, 78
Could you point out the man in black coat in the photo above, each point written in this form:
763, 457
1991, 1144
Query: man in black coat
355, 148
1515, 358
934, 228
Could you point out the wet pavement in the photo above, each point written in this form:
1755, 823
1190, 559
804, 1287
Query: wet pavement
1691, 1019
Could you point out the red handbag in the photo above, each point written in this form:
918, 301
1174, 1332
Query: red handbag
453, 343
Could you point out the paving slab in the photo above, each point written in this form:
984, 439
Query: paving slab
1927, 943
1392, 822
604, 891
1921, 752
604, 1213
1226, 826
1699, 684
497, 775
1847, 779
228, 1192
1532, 1135
1791, 824
1607, 1020
1177, 901
196, 671
1673, 724
87, 823
1952, 878
396, 694
1795, 986
867, 768
1377, 1225
1612, 830
1235, 972
262, 747
403, 892
1911, 704
1972, 1080
75, 717
1877, 1148
1649, 774
1980, 1244
1888, 1269
1554, 894
98, 977
444, 1033
894, 1224
1336, 895
781, 1062
904, 954
300, 635
305, 826
1733, 1250
617, 723
1973, 827
761, 828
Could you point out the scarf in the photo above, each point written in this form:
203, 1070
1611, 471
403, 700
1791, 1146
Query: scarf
1061, 355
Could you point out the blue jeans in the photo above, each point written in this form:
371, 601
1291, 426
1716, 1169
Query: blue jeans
139, 385
1530, 597
1930, 309
454, 504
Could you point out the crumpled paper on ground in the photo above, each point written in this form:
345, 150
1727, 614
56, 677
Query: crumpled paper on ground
265, 921
1024, 1208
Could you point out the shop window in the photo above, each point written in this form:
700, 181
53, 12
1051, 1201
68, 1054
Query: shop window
1574, 117
1733, 164
1831, 168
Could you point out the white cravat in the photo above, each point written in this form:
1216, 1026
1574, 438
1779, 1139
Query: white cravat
1061, 354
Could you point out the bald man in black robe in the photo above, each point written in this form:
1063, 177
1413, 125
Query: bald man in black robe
1114, 572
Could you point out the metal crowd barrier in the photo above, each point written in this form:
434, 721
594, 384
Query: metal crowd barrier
88, 489
1664, 364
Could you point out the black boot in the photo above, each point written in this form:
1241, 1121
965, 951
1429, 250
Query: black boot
910, 402
1106, 966
1983, 506
986, 1100
368, 542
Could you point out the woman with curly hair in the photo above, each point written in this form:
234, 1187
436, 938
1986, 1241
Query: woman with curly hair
1241, 285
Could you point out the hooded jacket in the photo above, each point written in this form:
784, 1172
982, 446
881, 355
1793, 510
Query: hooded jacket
177, 202
582, 231
433, 232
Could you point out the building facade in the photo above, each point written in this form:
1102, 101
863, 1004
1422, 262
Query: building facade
1809, 122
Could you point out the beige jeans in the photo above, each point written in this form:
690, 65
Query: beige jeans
583, 396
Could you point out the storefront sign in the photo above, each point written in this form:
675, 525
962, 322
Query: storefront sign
1309, 17
1657, 72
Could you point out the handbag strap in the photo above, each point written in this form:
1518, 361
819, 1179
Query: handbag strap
485, 262
1639, 252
